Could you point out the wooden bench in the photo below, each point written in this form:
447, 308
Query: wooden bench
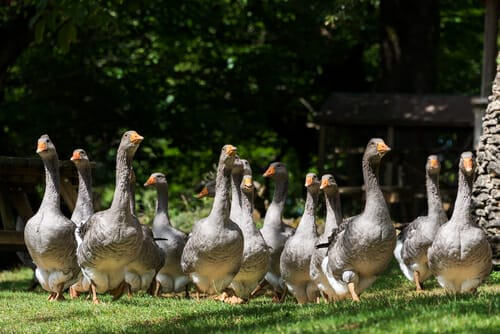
20, 177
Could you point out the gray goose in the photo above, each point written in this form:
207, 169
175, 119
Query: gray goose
274, 231
364, 248
255, 259
140, 273
212, 254
84, 208
295, 259
460, 255
414, 241
50, 236
113, 238
332, 223
170, 278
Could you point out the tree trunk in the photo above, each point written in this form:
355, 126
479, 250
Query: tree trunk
409, 38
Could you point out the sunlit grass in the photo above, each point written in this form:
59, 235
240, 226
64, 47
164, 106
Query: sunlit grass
390, 306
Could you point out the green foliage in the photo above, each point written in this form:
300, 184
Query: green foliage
192, 76
390, 306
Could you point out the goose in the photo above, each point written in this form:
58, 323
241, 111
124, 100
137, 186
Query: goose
140, 273
50, 236
255, 259
236, 177
460, 255
208, 190
332, 222
212, 254
295, 259
414, 241
364, 248
84, 208
113, 238
170, 278
274, 231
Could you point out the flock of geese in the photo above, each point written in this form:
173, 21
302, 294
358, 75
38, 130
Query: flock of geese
227, 256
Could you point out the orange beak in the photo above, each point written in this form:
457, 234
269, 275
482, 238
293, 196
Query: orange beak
203, 193
324, 184
383, 148
136, 138
230, 150
270, 171
248, 182
42, 146
468, 164
151, 180
309, 181
75, 156
434, 163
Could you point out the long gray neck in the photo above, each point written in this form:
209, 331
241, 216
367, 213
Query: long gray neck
84, 206
277, 205
51, 196
121, 197
375, 205
307, 225
434, 203
461, 211
247, 211
236, 194
220, 207
333, 212
162, 202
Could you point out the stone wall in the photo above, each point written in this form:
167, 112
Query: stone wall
486, 192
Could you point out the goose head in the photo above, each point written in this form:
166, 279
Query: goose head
80, 157
130, 142
328, 184
467, 164
276, 170
433, 166
156, 179
312, 182
247, 184
228, 156
45, 147
207, 190
376, 149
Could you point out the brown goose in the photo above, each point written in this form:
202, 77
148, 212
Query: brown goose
84, 208
112, 238
49, 235
274, 231
255, 260
332, 222
295, 259
212, 254
170, 278
364, 248
414, 241
460, 255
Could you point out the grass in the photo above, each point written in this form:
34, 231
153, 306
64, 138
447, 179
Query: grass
389, 306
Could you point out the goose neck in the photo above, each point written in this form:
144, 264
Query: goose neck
220, 207
333, 216
236, 179
308, 221
375, 203
462, 209
121, 196
162, 202
434, 203
51, 196
84, 205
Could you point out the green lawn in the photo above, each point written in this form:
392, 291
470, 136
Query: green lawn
390, 306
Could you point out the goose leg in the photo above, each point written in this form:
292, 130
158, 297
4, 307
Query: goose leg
262, 284
281, 299
95, 300
187, 292
157, 289
352, 290
73, 293
119, 290
51, 296
416, 278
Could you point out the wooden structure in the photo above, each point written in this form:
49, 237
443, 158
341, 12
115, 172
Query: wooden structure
414, 126
19, 179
